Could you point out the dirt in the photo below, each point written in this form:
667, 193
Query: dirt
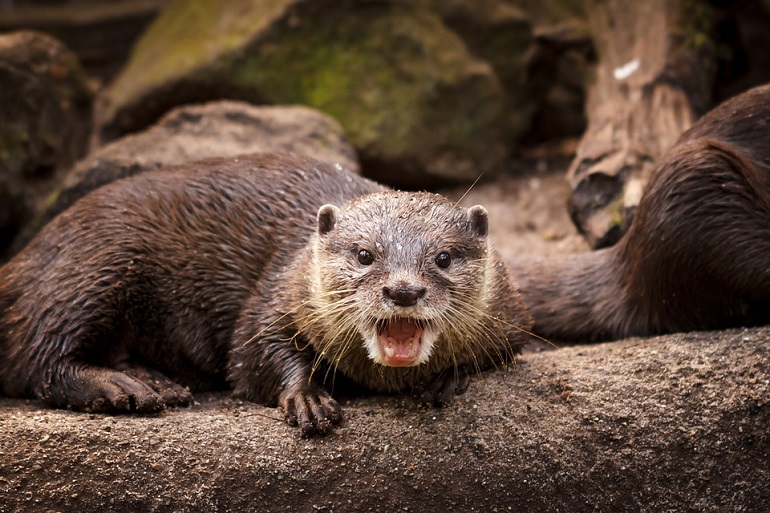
674, 423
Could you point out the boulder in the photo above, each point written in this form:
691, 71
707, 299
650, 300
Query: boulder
100, 33
499, 33
45, 121
195, 132
417, 105
675, 423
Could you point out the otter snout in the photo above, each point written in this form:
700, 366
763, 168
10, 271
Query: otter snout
404, 295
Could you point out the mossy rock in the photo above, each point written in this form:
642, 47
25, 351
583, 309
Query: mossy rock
45, 121
411, 97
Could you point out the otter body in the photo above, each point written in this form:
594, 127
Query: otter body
697, 254
271, 275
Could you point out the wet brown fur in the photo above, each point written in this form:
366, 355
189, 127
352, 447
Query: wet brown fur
198, 276
697, 253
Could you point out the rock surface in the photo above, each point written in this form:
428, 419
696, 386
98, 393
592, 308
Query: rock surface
414, 101
674, 423
501, 34
195, 132
100, 33
45, 121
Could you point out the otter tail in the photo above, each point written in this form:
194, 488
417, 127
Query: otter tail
576, 298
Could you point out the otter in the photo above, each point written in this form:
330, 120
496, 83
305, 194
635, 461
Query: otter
697, 253
272, 275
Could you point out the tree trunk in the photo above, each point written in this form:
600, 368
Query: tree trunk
653, 79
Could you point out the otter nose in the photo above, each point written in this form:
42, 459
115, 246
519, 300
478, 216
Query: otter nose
404, 296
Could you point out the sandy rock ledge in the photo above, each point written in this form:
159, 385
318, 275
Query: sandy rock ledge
675, 423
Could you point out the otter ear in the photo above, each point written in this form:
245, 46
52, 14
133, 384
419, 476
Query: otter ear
478, 220
327, 218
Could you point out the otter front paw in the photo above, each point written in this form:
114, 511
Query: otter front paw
311, 408
442, 387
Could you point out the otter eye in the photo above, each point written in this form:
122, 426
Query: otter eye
365, 257
443, 260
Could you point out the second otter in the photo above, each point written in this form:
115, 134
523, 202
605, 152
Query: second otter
227, 272
697, 255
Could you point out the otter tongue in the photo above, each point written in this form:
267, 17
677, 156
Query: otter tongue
400, 342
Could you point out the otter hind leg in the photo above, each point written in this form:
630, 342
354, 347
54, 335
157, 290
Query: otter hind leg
99, 389
171, 393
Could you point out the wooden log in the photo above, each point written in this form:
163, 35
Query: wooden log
653, 79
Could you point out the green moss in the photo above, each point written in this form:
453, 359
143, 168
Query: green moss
52, 198
395, 77
391, 81
616, 211
190, 34
700, 22
13, 144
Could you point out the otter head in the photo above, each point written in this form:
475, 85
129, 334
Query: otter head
398, 270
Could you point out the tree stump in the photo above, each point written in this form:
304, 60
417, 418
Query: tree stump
654, 77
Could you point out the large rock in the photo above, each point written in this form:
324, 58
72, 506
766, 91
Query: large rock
411, 97
676, 423
45, 121
501, 34
195, 132
100, 33
562, 59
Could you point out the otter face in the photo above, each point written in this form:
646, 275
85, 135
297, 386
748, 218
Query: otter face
398, 271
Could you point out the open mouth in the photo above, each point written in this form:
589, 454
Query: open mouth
400, 339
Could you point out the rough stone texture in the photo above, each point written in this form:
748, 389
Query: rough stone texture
557, 67
44, 120
744, 42
100, 33
195, 132
676, 423
501, 34
411, 97
557, 71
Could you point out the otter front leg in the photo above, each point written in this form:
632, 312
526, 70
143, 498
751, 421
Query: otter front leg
440, 389
273, 371
310, 407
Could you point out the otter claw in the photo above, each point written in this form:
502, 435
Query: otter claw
314, 412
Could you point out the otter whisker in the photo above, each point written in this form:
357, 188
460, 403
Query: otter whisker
340, 353
470, 188
516, 327
473, 341
331, 349
292, 311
